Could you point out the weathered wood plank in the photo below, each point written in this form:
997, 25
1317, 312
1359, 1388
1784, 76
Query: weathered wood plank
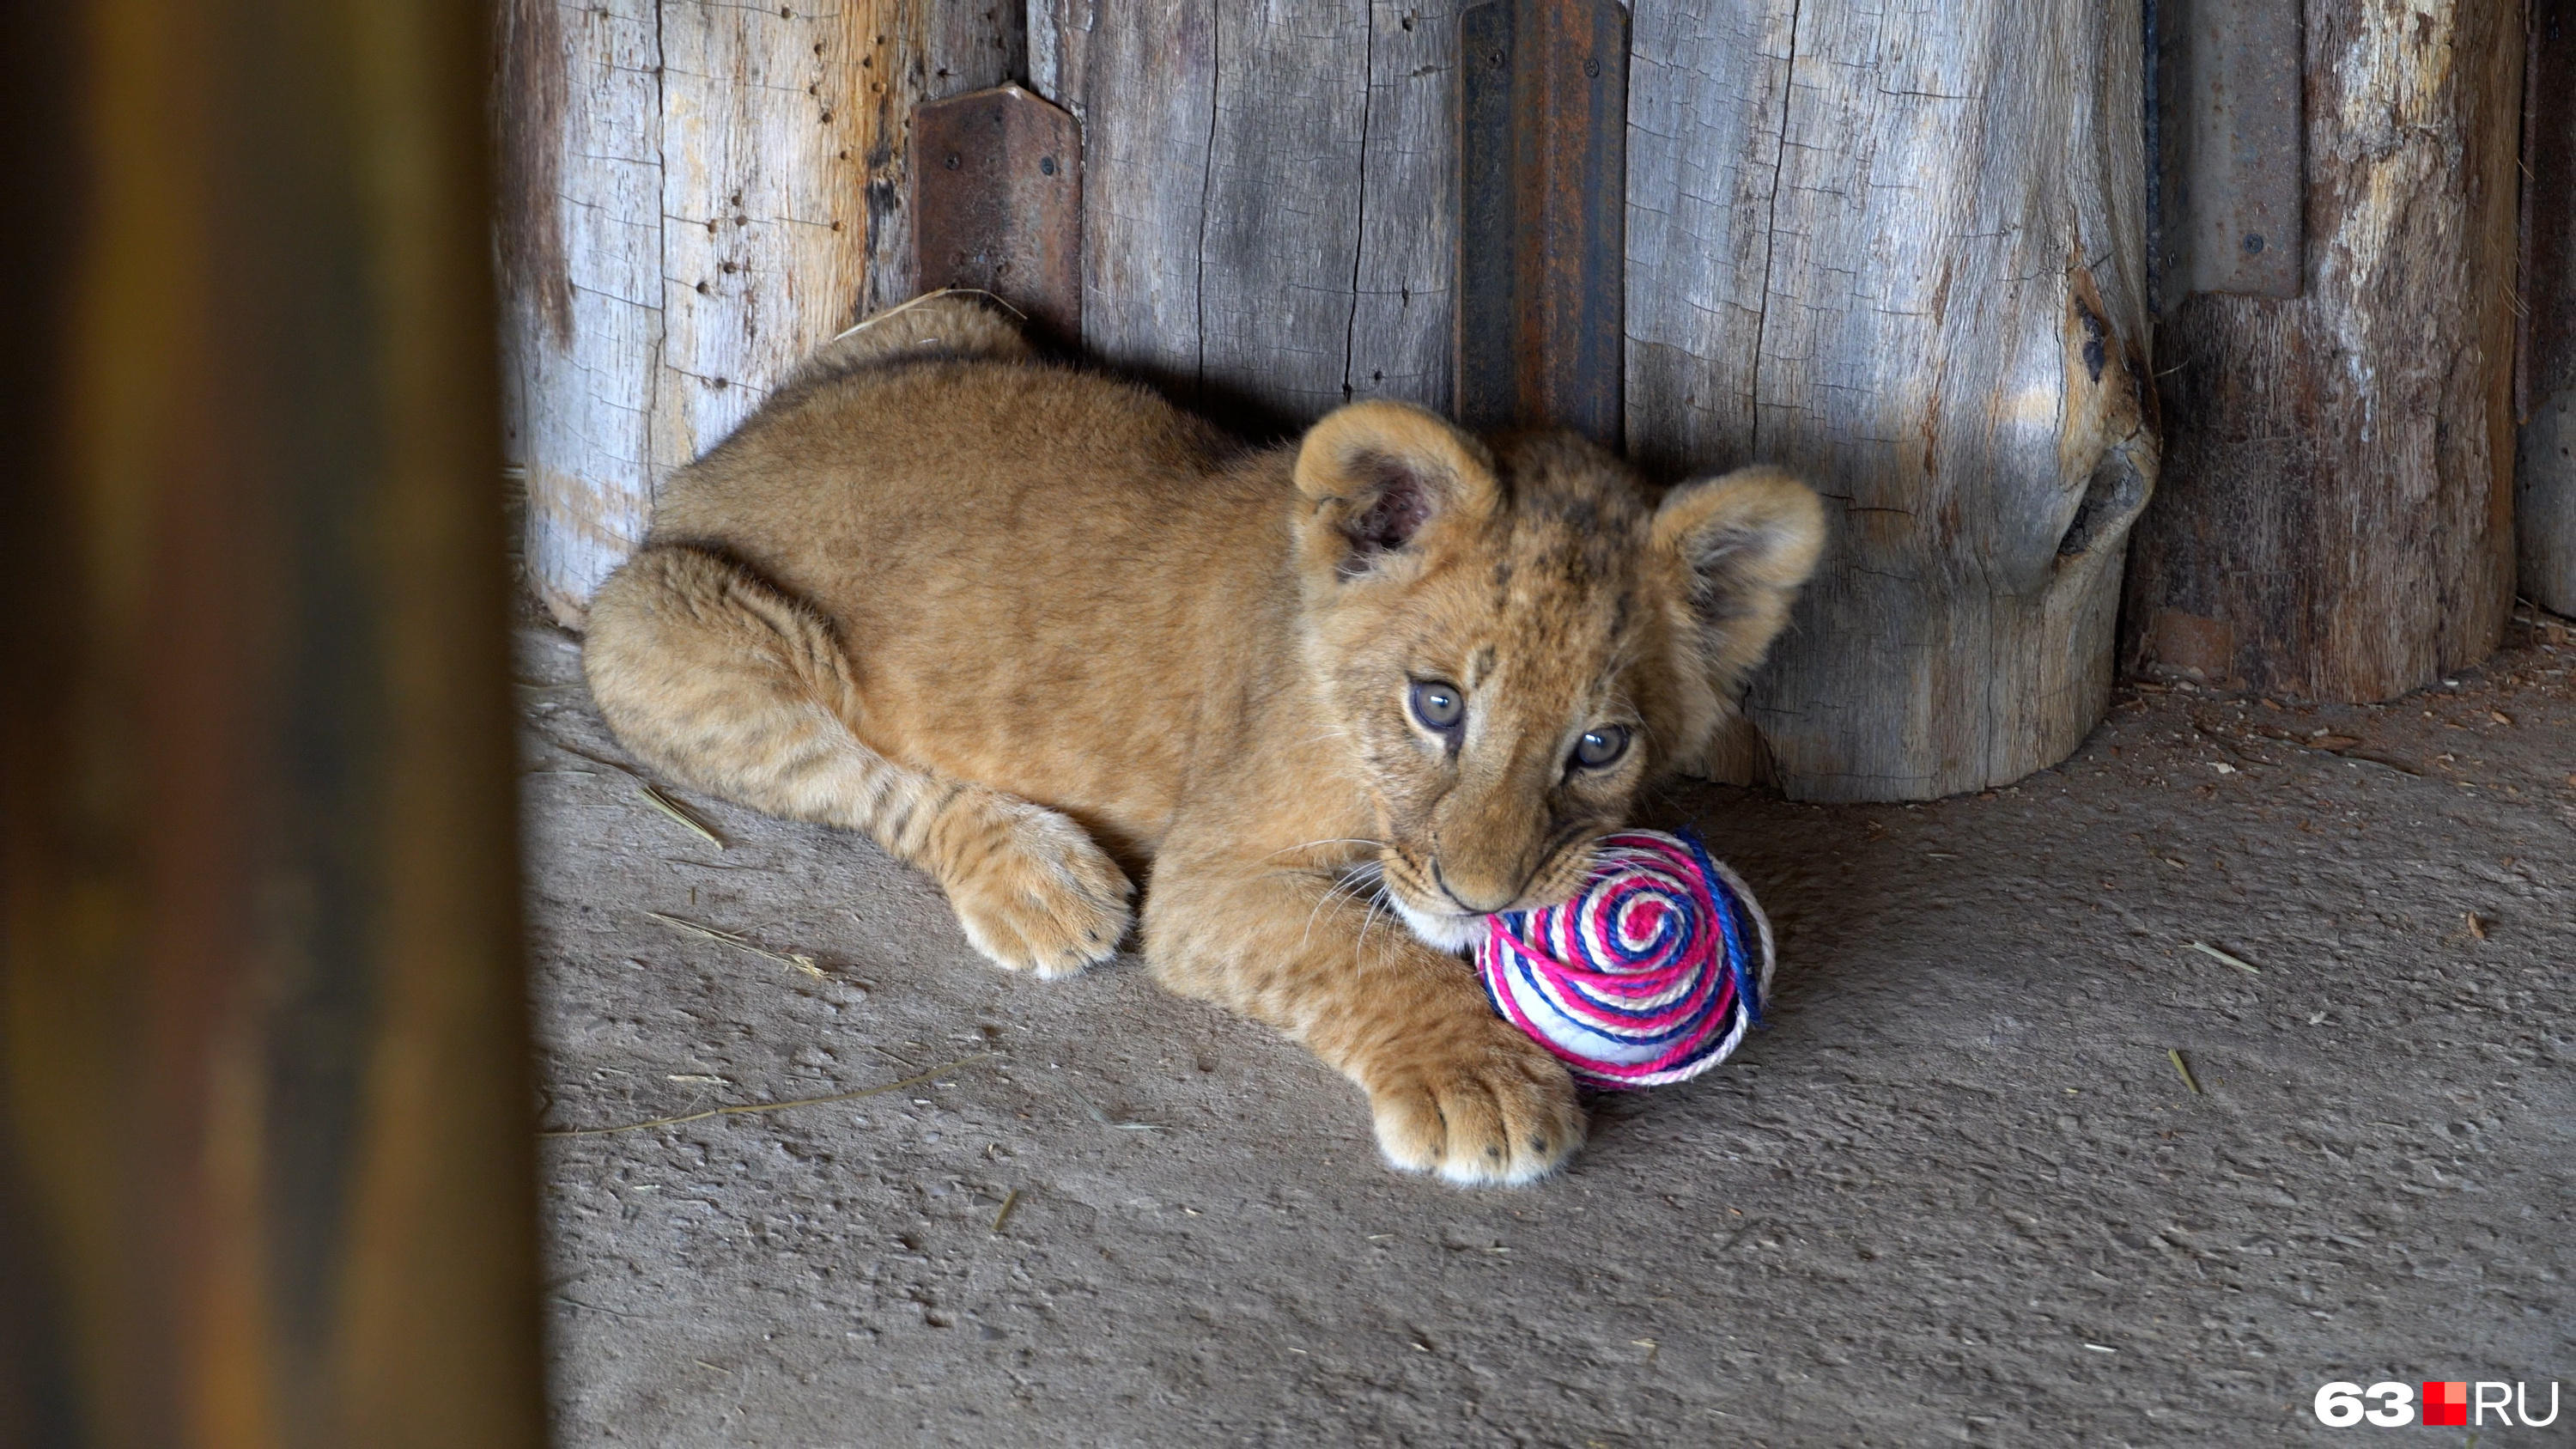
1707, 86
1705, 91
2545, 456
1268, 227
768, 122
1408, 241
1943, 336
2336, 522
1141, 77
1279, 241
581, 279
697, 195
784, 164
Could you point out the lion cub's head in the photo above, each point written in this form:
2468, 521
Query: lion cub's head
1516, 638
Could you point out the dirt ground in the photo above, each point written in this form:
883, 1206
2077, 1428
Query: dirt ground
1958, 1190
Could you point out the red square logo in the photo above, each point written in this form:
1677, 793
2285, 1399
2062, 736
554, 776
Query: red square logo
2446, 1404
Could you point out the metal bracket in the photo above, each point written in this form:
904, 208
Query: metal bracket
997, 204
2225, 122
1542, 215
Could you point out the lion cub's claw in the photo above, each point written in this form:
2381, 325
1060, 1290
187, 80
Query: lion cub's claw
1500, 1112
1044, 899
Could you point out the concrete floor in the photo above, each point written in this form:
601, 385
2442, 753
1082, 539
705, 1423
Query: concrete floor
1957, 1192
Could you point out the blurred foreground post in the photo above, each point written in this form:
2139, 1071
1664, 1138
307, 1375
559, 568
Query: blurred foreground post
264, 1122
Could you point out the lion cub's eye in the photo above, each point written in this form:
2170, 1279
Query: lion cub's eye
1602, 747
1439, 705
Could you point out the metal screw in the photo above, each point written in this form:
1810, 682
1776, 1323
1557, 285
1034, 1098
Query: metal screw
1496, 59
2253, 241
952, 163
1592, 68
1046, 165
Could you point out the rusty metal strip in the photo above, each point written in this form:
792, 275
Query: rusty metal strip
2230, 179
997, 204
1542, 215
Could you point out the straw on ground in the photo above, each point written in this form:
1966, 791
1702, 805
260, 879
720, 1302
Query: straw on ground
749, 1108
654, 797
797, 959
2215, 954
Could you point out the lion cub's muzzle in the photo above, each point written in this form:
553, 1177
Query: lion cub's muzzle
1454, 918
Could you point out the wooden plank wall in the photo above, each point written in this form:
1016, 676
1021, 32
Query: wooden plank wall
1268, 227
1876, 247
693, 196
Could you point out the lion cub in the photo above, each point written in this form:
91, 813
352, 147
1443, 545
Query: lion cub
1019, 624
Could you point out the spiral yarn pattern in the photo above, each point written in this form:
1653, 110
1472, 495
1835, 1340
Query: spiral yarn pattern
1650, 975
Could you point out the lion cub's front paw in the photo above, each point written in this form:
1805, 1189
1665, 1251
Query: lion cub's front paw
1043, 897
1489, 1107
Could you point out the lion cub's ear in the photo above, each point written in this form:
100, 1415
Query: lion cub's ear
1377, 474
1745, 542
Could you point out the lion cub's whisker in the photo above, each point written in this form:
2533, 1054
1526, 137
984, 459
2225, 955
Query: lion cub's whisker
1382, 898
1352, 882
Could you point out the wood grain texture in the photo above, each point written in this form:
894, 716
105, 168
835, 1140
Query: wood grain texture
2336, 520
695, 195
1921, 286
580, 237
2545, 455
1267, 228
1706, 88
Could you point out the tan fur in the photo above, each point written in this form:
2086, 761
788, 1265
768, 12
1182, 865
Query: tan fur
1033, 630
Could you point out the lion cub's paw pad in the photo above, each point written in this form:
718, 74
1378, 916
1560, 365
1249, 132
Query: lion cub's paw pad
1045, 898
1506, 1114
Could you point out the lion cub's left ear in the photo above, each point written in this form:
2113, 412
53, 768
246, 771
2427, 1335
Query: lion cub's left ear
1746, 541
1378, 474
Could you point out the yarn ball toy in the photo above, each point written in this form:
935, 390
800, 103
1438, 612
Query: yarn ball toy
1649, 975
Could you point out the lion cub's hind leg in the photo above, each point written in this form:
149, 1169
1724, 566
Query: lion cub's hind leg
721, 681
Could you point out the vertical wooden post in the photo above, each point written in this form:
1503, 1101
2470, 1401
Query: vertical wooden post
2545, 458
693, 197
1903, 253
264, 1116
2335, 521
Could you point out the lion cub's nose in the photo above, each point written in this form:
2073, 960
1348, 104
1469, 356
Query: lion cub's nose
1476, 892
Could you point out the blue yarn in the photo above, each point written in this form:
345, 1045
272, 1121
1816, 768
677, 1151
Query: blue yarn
1731, 930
